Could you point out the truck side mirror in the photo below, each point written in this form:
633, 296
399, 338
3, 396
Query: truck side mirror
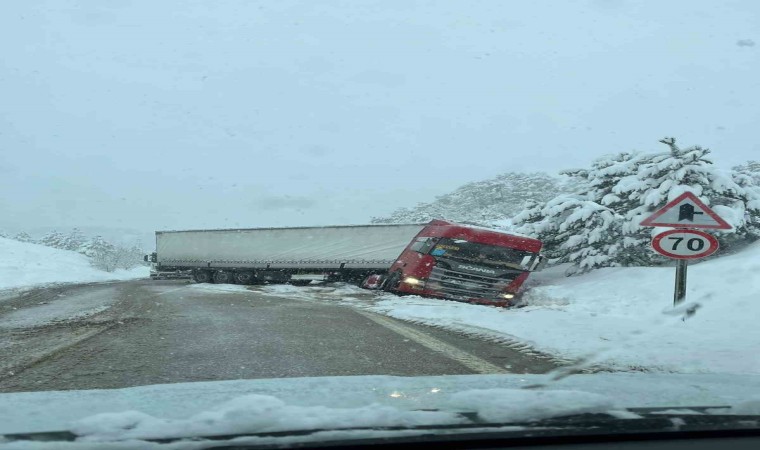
539, 263
145, 258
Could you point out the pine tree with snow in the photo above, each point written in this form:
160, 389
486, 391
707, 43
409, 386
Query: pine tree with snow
102, 253
74, 240
598, 226
129, 257
748, 177
97, 245
23, 237
750, 169
668, 175
54, 239
585, 228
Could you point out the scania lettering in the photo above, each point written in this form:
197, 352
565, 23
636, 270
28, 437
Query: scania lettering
477, 269
438, 259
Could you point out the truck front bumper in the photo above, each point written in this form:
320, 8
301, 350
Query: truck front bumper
424, 291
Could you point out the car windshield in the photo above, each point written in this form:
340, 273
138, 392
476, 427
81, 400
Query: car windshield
462, 250
306, 222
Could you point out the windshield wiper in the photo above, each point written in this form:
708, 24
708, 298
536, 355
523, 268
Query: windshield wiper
651, 423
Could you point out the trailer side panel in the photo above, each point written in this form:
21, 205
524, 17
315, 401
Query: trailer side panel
368, 246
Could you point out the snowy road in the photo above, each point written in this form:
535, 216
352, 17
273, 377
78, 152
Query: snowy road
113, 335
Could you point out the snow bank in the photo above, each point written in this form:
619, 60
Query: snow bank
344, 294
25, 265
218, 288
623, 318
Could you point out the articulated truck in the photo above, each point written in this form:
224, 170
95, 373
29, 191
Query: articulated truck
437, 259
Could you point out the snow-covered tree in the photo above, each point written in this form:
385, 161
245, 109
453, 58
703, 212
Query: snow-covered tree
109, 257
573, 230
598, 226
101, 253
129, 257
23, 237
54, 239
751, 170
483, 202
585, 228
670, 174
74, 240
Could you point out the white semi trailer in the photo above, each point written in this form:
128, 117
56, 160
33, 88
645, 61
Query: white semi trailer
296, 254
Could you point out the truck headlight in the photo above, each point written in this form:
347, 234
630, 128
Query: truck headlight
413, 281
508, 296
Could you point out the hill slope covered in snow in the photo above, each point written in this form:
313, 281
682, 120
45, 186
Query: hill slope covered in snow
488, 202
24, 264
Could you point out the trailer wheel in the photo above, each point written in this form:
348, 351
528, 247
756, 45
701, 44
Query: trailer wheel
201, 276
243, 277
222, 277
392, 282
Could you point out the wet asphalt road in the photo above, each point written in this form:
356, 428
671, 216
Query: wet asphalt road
153, 332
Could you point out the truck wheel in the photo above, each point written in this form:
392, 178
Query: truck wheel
202, 276
243, 277
392, 282
374, 281
222, 277
300, 282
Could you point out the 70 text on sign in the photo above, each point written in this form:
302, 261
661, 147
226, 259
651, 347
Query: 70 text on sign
685, 244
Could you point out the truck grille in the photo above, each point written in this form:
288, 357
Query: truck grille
466, 285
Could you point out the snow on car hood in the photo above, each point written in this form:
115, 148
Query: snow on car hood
256, 413
247, 406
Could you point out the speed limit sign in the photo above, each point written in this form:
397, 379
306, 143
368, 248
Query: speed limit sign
685, 244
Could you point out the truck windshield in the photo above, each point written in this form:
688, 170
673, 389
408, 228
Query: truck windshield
462, 250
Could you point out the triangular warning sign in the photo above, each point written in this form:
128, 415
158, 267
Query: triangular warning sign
686, 211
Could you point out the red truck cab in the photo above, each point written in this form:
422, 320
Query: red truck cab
465, 263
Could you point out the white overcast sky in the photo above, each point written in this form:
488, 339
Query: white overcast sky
159, 114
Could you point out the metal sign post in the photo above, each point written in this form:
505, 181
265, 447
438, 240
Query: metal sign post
680, 291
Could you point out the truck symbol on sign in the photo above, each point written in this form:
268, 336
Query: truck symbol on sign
686, 212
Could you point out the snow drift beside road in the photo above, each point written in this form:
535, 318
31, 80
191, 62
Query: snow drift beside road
24, 264
623, 318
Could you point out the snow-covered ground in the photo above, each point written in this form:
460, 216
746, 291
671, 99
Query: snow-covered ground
63, 308
26, 265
